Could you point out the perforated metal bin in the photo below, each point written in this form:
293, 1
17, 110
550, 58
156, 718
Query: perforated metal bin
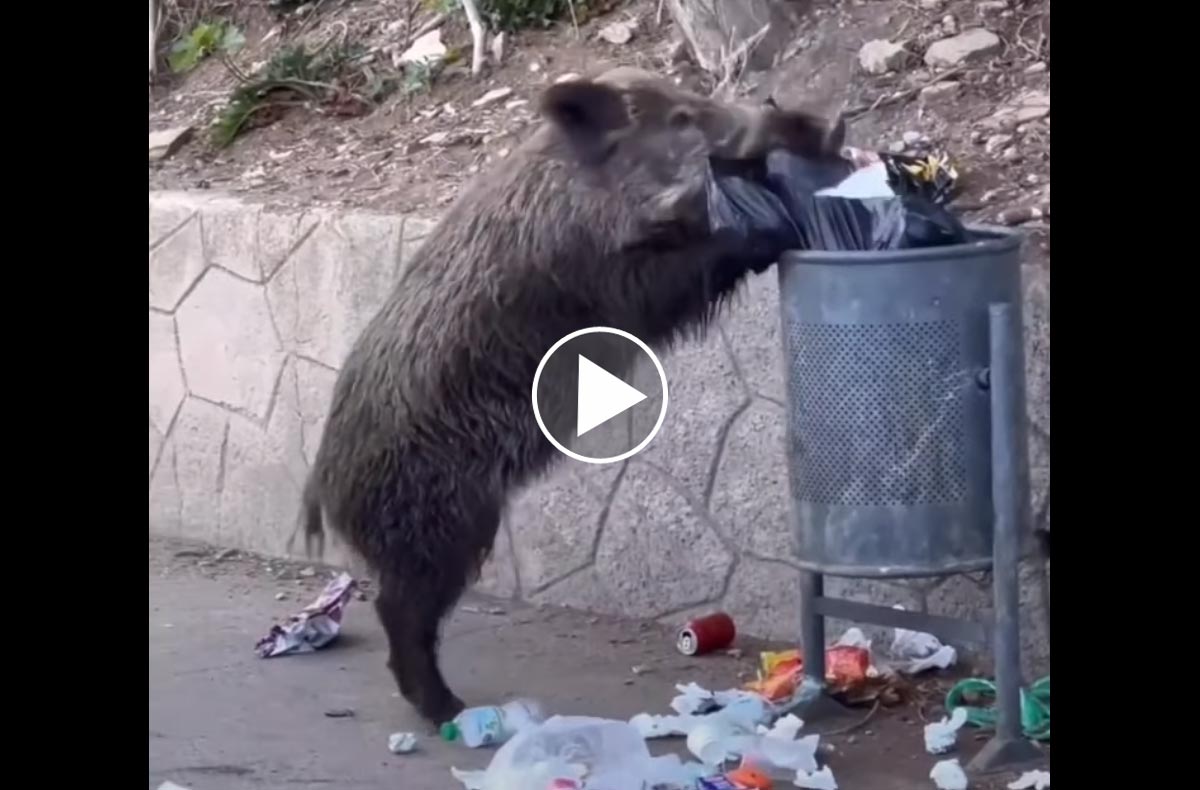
887, 357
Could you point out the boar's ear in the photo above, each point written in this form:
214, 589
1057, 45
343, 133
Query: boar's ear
809, 135
588, 113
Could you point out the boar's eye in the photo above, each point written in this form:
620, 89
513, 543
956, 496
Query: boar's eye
681, 118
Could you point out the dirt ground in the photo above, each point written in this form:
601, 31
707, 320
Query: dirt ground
223, 719
416, 148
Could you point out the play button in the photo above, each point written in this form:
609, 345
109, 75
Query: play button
599, 395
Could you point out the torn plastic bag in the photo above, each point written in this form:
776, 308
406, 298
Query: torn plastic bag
860, 201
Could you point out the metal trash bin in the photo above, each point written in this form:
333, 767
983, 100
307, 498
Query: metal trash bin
889, 417
906, 439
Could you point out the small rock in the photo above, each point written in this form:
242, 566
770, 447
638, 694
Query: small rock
1012, 155
492, 96
570, 75
281, 596
308, 572
950, 25
978, 136
912, 138
535, 67
896, 147
498, 48
1032, 179
1036, 68
966, 46
880, 56
426, 49
340, 713
939, 92
997, 142
1029, 106
990, 195
1019, 216
402, 742
166, 142
617, 33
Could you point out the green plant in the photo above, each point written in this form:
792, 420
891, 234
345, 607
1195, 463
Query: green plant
418, 78
204, 39
292, 76
515, 14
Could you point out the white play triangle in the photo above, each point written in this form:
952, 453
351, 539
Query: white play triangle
602, 396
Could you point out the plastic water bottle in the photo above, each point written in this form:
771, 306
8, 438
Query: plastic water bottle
493, 724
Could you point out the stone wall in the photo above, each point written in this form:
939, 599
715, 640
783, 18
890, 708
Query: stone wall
252, 309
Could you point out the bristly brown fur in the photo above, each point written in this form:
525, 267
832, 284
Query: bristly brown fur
598, 219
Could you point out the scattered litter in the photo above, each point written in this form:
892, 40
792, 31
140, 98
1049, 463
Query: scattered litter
307, 573
706, 634
941, 736
1035, 706
920, 651
402, 742
494, 610
280, 596
492, 96
314, 627
1031, 780
949, 775
340, 713
817, 780
641, 669
493, 724
749, 777
781, 673
561, 751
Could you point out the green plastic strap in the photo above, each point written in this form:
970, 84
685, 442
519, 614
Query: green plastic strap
1035, 706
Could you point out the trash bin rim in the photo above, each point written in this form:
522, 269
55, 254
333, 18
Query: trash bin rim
995, 239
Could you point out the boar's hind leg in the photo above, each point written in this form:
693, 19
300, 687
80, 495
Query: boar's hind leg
419, 585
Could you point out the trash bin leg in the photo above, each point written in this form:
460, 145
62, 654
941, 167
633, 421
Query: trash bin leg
1008, 748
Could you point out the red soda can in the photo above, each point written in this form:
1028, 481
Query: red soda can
706, 634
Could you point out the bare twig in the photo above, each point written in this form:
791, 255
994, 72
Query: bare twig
736, 60
889, 99
475, 21
410, 14
852, 727
435, 21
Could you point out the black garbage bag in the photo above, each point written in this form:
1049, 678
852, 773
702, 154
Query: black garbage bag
868, 202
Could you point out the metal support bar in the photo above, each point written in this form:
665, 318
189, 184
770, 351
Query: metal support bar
948, 629
812, 626
1010, 499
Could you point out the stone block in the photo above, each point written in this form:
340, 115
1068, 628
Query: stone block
764, 600
499, 575
753, 328
750, 498
656, 554
1037, 345
176, 261
156, 443
333, 284
554, 524
413, 237
167, 389
261, 483
198, 444
970, 597
313, 391
230, 352
703, 394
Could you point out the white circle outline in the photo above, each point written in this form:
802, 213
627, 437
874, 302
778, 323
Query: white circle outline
662, 412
